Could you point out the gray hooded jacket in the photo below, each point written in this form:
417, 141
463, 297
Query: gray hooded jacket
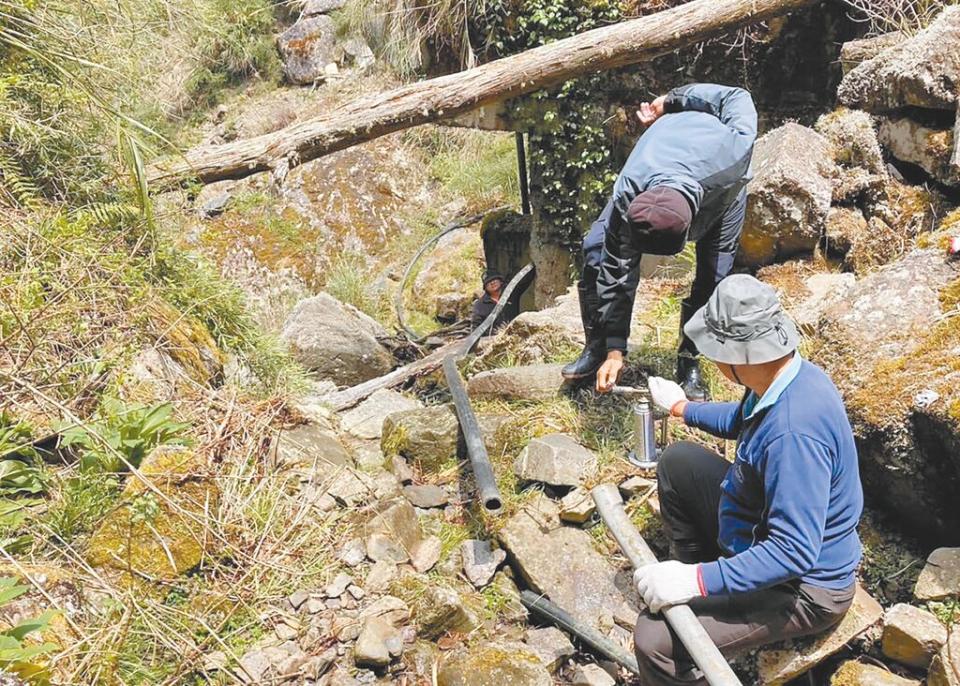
702, 147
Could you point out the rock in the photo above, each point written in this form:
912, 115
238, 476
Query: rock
439, 610
400, 469
307, 47
551, 645
366, 420
214, 662
372, 648
846, 226
555, 459
861, 172
480, 561
634, 486
48, 586
534, 382
428, 435
427, 554
336, 341
314, 7
394, 532
297, 599
931, 149
312, 449
357, 592
350, 487
780, 665
338, 586
856, 52
824, 290
352, 553
945, 668
561, 563
853, 673
592, 675
215, 205
577, 506
426, 495
389, 608
876, 343
493, 664
789, 195
912, 636
380, 576
921, 71
357, 53
452, 307
513, 609
158, 538
940, 577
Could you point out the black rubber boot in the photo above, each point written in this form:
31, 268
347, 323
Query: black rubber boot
690, 380
595, 348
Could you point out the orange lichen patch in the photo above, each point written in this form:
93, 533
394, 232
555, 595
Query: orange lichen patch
940, 143
277, 237
186, 340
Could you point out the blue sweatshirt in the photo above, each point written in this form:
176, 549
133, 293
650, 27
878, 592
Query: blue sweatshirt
792, 498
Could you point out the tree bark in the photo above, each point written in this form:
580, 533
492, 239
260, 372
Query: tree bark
366, 118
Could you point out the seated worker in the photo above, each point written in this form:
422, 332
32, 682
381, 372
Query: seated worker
483, 306
766, 548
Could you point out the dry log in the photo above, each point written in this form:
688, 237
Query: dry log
609, 47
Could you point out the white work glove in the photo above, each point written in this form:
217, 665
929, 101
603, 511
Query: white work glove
663, 584
665, 393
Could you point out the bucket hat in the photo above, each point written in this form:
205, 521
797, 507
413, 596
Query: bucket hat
743, 322
492, 276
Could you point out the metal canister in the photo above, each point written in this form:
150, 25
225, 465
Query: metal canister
644, 454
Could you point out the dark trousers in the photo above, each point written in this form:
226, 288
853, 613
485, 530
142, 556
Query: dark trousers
689, 478
716, 252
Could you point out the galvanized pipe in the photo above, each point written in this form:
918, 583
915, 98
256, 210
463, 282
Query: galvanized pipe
549, 612
681, 618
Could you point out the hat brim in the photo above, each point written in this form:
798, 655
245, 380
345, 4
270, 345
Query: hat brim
768, 348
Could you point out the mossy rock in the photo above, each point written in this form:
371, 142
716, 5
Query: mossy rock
187, 341
493, 664
158, 534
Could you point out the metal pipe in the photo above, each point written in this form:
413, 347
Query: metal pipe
522, 172
681, 618
552, 613
476, 450
644, 454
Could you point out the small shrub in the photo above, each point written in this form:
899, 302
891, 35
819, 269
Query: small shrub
16, 655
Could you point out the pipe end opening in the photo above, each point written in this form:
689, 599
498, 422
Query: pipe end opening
492, 505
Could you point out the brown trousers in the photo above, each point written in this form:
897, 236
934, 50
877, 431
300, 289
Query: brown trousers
689, 478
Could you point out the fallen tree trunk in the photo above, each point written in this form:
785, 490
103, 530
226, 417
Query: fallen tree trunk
618, 45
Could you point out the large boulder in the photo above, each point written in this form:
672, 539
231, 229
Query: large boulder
789, 195
931, 149
336, 341
493, 664
307, 48
861, 172
158, 532
853, 673
562, 563
894, 361
428, 435
855, 52
922, 71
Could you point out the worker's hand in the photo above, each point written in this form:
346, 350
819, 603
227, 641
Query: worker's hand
609, 371
663, 584
649, 112
667, 395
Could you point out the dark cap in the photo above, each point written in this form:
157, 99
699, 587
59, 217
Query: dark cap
491, 276
662, 218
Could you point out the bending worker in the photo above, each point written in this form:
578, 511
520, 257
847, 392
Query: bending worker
683, 181
765, 548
